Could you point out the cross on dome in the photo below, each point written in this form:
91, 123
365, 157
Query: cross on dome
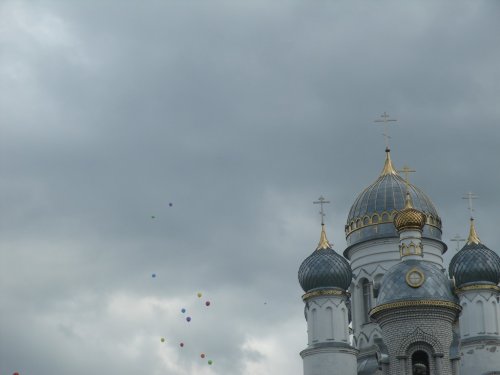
470, 196
385, 119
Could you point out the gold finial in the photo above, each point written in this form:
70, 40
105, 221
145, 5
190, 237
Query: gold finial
409, 218
388, 168
473, 237
323, 241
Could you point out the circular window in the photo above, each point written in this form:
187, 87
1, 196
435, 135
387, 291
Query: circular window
415, 278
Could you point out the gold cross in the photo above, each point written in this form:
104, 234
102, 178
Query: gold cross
470, 196
321, 201
407, 170
457, 239
385, 119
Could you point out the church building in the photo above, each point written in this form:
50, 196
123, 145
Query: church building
386, 305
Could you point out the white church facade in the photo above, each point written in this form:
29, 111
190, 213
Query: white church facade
387, 305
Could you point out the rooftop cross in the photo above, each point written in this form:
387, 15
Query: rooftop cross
321, 201
457, 239
470, 196
385, 119
407, 170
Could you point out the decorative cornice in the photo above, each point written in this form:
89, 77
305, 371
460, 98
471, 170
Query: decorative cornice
417, 303
358, 223
325, 292
477, 287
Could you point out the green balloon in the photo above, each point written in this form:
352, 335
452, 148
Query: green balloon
210, 362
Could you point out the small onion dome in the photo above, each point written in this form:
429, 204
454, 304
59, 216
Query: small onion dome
324, 268
409, 218
475, 263
415, 280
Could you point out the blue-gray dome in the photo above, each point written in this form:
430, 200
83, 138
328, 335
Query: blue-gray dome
475, 263
324, 268
434, 283
371, 216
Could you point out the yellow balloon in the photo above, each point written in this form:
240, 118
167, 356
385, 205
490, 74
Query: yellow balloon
199, 295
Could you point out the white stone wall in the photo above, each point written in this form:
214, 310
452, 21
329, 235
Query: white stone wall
328, 362
328, 349
480, 332
480, 358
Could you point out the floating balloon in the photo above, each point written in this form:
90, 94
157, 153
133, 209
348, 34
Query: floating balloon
153, 275
188, 318
199, 294
210, 362
153, 217
202, 355
181, 344
183, 311
170, 204
16, 373
207, 303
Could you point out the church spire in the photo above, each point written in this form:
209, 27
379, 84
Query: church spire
473, 237
323, 241
388, 167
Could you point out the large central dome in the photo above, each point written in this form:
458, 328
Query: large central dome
371, 216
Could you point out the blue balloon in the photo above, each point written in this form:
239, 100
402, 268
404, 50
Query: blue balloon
183, 311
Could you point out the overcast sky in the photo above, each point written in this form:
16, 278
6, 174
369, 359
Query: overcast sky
240, 114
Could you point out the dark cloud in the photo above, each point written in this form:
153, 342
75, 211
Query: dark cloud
240, 115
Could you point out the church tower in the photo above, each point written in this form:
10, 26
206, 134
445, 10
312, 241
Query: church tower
325, 276
416, 308
476, 271
373, 248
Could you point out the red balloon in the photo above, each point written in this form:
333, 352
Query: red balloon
181, 344
202, 355
207, 303
16, 373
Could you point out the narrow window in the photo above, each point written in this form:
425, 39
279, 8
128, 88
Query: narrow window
366, 300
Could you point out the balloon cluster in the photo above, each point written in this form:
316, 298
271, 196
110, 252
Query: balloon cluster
189, 319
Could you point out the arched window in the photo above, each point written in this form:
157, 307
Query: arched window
480, 318
420, 363
314, 318
344, 324
329, 323
464, 320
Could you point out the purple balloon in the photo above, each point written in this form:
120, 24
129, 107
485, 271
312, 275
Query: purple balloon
188, 318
